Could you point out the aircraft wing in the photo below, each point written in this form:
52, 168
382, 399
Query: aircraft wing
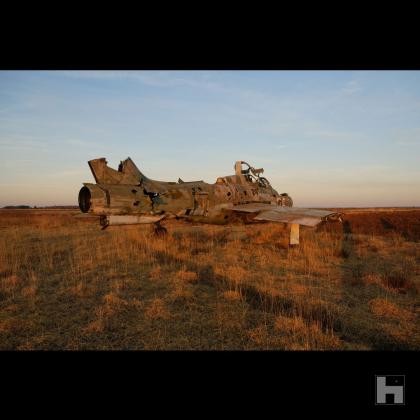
297, 215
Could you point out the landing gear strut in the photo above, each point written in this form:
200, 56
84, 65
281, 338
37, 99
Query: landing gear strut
159, 230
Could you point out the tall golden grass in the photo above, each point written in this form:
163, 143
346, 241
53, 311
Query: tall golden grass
66, 284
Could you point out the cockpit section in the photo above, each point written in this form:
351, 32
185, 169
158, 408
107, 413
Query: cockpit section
251, 174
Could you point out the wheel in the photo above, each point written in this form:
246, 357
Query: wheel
160, 230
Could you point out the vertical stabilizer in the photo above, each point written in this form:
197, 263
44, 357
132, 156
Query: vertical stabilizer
127, 172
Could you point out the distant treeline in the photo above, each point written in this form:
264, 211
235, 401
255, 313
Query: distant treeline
40, 207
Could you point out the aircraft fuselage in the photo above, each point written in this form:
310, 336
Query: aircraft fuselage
197, 200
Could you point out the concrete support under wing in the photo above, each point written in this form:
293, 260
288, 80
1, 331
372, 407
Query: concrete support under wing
294, 234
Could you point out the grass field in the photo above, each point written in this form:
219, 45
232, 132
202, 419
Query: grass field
66, 284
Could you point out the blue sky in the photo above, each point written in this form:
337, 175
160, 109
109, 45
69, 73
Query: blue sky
328, 138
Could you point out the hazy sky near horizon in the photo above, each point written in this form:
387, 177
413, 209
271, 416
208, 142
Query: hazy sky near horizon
328, 138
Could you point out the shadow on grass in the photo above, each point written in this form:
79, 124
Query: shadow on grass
353, 329
349, 327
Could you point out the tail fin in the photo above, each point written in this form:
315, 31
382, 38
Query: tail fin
127, 173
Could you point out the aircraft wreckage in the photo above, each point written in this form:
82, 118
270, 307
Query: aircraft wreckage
126, 196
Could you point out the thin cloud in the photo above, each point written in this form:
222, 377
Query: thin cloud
150, 78
351, 88
407, 137
22, 143
69, 173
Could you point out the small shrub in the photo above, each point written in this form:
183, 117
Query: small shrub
232, 295
113, 300
157, 310
258, 335
94, 327
187, 276
385, 308
371, 278
399, 280
29, 291
9, 283
357, 271
155, 273
289, 324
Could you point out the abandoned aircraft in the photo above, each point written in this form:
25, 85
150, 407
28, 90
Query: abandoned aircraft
127, 196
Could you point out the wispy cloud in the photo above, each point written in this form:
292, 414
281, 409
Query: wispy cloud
84, 143
408, 142
351, 88
66, 173
22, 143
337, 135
407, 137
150, 78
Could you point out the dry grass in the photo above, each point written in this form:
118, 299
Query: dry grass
157, 310
385, 308
187, 276
66, 284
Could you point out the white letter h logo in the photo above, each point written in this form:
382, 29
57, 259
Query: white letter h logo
382, 389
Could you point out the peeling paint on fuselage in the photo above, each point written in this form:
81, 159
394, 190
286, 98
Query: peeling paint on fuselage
197, 200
